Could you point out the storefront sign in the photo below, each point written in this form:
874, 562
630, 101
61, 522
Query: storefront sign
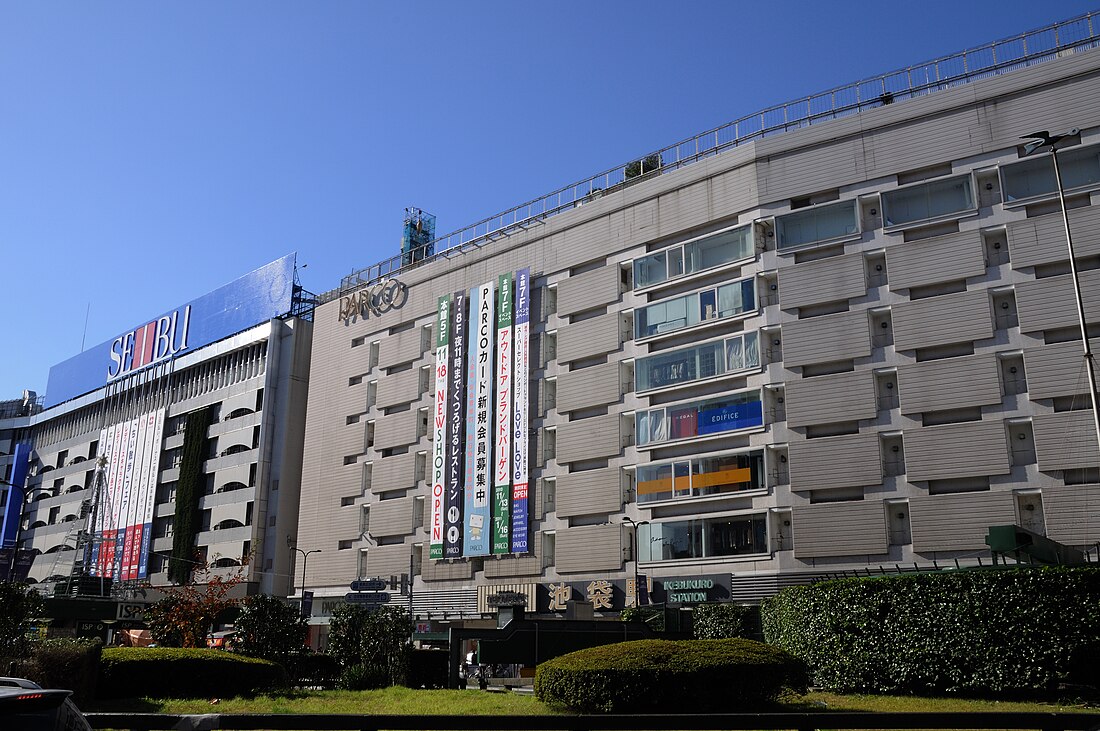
376, 299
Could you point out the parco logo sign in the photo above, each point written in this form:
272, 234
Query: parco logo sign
389, 294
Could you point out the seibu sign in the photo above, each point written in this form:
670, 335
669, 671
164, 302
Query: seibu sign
151, 343
389, 294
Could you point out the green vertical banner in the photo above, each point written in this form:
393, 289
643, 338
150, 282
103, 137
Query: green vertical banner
502, 421
439, 426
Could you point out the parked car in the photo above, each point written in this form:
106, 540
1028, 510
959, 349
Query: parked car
24, 706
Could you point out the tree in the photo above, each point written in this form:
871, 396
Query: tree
186, 614
371, 644
19, 603
646, 165
270, 628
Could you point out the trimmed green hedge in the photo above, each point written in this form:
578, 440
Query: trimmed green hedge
717, 621
168, 672
968, 632
60, 663
669, 676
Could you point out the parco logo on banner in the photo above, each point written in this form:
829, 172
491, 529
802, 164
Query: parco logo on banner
382, 297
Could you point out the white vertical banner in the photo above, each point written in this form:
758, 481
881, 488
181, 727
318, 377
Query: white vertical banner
439, 425
114, 495
145, 525
134, 496
478, 529
521, 337
127, 484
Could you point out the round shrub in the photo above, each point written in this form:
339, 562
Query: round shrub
167, 672
670, 676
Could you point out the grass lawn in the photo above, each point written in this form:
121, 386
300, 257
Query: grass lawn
403, 701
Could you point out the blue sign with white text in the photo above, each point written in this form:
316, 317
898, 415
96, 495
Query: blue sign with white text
255, 298
728, 418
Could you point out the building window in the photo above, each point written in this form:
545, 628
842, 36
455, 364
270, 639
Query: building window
816, 225
1033, 177
716, 303
700, 477
703, 538
740, 410
696, 255
929, 201
699, 362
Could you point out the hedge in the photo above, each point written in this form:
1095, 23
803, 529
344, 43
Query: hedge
669, 676
987, 633
60, 663
167, 672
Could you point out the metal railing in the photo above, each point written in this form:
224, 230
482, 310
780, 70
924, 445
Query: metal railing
661, 722
993, 59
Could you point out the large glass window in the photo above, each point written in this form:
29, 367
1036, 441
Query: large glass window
928, 201
817, 224
703, 538
706, 252
677, 313
737, 353
700, 477
741, 410
1033, 177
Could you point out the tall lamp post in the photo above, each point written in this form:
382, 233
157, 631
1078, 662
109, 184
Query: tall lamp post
635, 525
305, 558
1040, 140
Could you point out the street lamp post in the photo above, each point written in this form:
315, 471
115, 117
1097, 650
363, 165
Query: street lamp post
1039, 140
305, 558
635, 525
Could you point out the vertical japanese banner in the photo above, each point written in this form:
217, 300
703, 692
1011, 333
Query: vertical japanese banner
105, 436
439, 426
521, 368
128, 520
114, 496
502, 424
479, 437
146, 542
456, 431
122, 512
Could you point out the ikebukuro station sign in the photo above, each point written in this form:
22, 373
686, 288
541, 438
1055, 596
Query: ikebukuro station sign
479, 500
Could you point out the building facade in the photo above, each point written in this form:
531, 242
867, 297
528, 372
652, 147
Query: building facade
193, 419
852, 345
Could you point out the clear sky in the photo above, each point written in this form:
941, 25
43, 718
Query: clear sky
150, 152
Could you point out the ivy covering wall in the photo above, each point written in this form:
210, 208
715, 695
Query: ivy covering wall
1001, 633
188, 491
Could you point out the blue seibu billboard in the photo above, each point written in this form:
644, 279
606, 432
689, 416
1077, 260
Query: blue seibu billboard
246, 302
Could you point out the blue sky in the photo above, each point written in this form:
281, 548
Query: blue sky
150, 152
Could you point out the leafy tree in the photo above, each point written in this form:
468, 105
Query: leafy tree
371, 644
19, 603
720, 621
655, 618
646, 165
186, 614
270, 628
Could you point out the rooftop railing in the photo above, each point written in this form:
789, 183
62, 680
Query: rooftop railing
993, 59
